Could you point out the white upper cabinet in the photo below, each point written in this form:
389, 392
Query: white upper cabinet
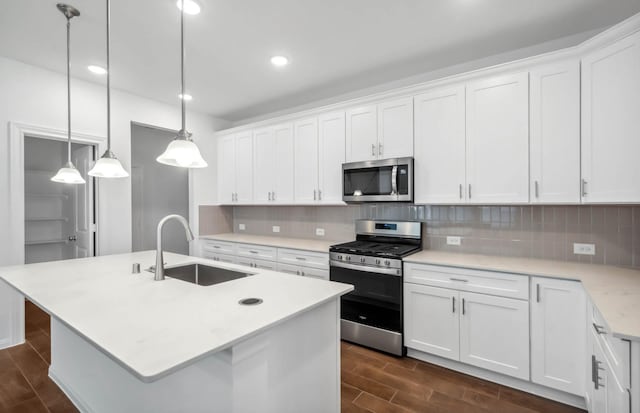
263, 164
395, 128
331, 143
283, 169
244, 167
380, 131
362, 134
235, 166
226, 169
439, 166
558, 331
610, 123
498, 140
306, 160
555, 133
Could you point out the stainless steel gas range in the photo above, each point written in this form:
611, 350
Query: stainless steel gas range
372, 312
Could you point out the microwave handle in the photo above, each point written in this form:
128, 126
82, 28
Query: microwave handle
394, 180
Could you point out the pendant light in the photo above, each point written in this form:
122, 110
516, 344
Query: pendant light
182, 151
68, 174
108, 166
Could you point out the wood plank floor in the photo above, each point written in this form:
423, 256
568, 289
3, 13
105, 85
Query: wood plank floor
372, 382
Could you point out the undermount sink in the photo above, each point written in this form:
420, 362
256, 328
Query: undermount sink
203, 274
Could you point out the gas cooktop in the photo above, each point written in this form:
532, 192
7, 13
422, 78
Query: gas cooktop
375, 249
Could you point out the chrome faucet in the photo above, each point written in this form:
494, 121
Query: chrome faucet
159, 270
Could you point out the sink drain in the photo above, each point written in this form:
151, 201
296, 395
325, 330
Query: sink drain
250, 301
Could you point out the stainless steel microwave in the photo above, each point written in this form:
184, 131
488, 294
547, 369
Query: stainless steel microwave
384, 180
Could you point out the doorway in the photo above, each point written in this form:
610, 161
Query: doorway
157, 190
59, 219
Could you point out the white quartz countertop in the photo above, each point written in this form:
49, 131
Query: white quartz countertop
280, 242
153, 328
614, 290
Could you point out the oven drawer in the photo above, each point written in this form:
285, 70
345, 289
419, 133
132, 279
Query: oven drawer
483, 282
304, 258
257, 252
218, 247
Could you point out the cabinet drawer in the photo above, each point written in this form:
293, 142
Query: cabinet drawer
260, 252
483, 282
304, 258
218, 247
231, 259
617, 351
303, 271
262, 264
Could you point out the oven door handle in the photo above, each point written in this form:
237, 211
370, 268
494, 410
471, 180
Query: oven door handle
394, 180
367, 268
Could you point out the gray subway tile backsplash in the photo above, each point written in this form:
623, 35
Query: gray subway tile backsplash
546, 232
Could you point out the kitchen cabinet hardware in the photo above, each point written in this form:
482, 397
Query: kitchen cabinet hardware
537, 192
460, 190
462, 280
302, 272
273, 196
463, 307
453, 304
380, 149
301, 258
599, 329
584, 187
319, 195
373, 149
314, 195
298, 272
469, 191
254, 252
537, 293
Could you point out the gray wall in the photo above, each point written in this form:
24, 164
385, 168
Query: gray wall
157, 190
546, 232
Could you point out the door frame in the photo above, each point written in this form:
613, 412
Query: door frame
17, 133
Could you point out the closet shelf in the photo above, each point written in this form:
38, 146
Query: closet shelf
43, 242
43, 219
49, 195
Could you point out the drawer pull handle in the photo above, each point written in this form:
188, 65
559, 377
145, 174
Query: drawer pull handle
599, 329
301, 258
254, 252
459, 279
216, 246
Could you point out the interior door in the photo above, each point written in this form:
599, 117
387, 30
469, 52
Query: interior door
82, 238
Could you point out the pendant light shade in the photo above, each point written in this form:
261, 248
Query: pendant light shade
108, 166
68, 174
182, 151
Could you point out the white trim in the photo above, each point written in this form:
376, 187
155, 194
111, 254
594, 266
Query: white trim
617, 32
526, 386
71, 395
17, 133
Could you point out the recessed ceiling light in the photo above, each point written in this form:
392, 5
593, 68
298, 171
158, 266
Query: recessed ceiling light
187, 97
190, 6
97, 70
279, 61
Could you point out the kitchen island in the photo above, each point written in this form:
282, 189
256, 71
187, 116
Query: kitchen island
124, 342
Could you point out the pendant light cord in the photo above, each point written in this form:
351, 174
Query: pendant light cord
68, 90
108, 76
182, 53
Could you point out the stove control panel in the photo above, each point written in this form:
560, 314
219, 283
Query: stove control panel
365, 261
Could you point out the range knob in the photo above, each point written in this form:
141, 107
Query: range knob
348, 257
377, 261
387, 263
362, 260
340, 257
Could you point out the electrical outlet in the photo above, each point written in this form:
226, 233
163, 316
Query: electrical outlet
320, 232
242, 227
584, 249
454, 240
275, 228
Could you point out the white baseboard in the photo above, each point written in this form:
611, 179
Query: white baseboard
71, 395
526, 386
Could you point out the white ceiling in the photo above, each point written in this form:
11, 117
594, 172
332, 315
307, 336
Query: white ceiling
335, 46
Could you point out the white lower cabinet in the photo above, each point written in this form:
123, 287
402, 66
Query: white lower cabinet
482, 330
256, 263
558, 330
606, 393
431, 322
494, 334
303, 271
